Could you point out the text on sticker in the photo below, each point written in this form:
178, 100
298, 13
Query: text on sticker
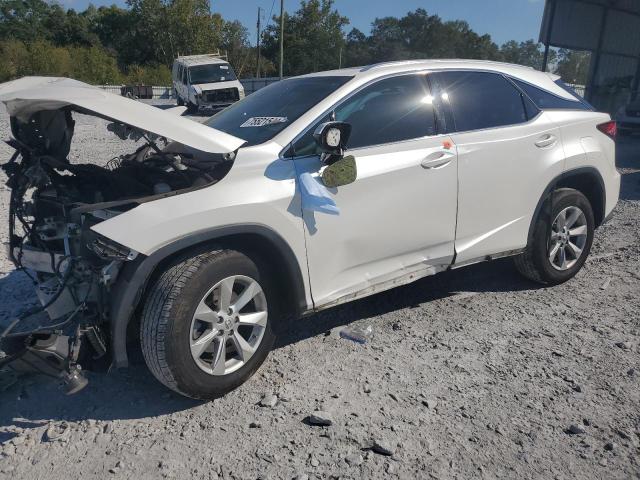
263, 121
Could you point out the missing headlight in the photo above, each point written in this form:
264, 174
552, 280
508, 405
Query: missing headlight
109, 250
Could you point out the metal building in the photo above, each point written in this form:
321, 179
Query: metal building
610, 30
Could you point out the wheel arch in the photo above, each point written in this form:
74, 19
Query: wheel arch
586, 180
252, 239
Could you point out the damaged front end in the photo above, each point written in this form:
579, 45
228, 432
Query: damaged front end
53, 205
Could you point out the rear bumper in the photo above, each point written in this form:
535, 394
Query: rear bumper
612, 194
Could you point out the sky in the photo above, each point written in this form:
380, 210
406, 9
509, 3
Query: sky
503, 19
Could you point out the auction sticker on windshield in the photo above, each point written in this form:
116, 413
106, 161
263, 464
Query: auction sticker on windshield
263, 121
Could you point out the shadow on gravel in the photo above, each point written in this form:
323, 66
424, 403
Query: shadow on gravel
118, 395
134, 393
630, 186
497, 276
628, 157
125, 394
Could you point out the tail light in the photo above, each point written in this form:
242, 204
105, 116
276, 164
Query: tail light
610, 129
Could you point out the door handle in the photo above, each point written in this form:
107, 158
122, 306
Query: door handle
546, 141
437, 159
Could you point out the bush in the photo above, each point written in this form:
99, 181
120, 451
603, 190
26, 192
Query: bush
148, 75
93, 65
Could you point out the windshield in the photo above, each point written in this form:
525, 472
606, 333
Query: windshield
265, 113
219, 72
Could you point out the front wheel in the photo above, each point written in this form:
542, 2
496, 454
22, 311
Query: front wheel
561, 241
206, 324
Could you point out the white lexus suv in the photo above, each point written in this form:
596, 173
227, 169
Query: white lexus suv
314, 191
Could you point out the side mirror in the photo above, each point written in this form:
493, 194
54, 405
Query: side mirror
341, 172
332, 137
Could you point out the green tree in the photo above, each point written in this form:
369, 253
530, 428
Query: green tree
573, 66
47, 59
313, 38
95, 65
527, 53
160, 31
148, 75
23, 20
15, 59
357, 50
418, 35
235, 43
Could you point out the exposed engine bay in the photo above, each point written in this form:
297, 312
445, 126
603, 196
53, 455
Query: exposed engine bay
54, 203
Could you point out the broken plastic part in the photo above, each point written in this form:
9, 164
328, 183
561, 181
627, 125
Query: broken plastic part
357, 333
74, 380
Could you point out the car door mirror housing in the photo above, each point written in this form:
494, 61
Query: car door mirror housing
332, 137
341, 172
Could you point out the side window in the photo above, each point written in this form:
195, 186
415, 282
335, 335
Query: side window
544, 99
481, 100
390, 110
184, 75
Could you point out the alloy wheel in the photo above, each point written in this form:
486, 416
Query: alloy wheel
228, 325
568, 238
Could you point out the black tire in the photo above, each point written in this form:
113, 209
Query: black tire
165, 327
534, 263
179, 100
191, 108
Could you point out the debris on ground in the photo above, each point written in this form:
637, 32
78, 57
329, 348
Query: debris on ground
56, 432
575, 429
269, 400
321, 418
357, 333
382, 447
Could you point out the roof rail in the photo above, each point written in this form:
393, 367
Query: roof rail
436, 60
203, 56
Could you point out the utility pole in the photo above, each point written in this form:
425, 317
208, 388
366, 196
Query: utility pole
340, 58
258, 47
281, 36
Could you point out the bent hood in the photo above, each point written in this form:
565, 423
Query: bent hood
28, 95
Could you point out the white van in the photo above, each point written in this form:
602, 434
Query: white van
205, 83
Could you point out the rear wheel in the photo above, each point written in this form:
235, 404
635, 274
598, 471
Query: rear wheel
179, 100
206, 324
561, 240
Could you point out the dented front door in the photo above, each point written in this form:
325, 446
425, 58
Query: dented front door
396, 222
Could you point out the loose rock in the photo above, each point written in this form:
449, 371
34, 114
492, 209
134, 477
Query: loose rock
354, 459
320, 417
56, 432
575, 429
382, 447
269, 400
430, 403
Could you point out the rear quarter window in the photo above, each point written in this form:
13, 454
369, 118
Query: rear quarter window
547, 100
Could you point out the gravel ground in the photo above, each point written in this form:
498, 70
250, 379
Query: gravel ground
474, 373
